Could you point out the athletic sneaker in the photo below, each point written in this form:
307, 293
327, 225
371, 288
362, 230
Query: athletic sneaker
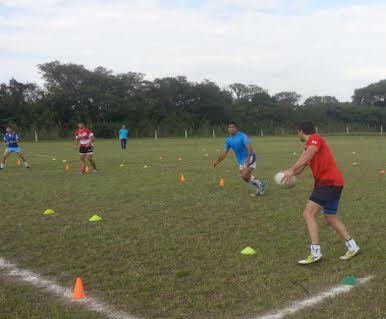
350, 254
310, 260
26, 165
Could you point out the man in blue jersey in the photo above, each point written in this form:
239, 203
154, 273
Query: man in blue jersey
123, 135
11, 140
241, 145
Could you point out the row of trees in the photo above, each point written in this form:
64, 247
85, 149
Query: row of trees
106, 100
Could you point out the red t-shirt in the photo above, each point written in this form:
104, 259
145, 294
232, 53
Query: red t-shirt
84, 136
323, 165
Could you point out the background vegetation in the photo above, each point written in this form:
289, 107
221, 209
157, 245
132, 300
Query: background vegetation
170, 105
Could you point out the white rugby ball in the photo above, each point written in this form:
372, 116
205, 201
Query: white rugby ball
278, 178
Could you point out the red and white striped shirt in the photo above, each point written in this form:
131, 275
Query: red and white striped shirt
84, 136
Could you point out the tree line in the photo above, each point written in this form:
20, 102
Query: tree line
171, 105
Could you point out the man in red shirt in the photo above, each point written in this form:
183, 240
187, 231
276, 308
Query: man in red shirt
326, 194
84, 140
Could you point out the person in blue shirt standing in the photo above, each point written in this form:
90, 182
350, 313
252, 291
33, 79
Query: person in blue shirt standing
11, 140
123, 135
246, 158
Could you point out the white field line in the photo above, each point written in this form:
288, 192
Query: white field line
311, 301
93, 304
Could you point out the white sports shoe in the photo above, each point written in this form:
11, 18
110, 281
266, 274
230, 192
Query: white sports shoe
310, 260
350, 253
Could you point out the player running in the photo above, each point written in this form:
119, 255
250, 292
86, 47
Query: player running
11, 140
326, 194
123, 135
84, 140
241, 145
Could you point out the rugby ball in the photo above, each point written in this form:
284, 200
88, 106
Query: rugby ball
279, 177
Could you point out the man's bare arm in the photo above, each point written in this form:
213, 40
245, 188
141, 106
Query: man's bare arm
221, 157
300, 164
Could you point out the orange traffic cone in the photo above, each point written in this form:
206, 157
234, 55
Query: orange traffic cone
67, 167
18, 162
222, 183
87, 169
78, 290
182, 178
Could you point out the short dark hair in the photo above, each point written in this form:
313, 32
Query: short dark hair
307, 128
231, 123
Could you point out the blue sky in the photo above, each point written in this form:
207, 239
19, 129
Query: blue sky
312, 47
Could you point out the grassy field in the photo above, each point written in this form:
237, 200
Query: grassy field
171, 250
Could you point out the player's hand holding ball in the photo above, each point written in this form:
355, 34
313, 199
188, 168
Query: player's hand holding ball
285, 179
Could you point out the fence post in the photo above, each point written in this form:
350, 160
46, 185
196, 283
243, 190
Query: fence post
186, 134
381, 129
282, 131
155, 135
213, 134
36, 136
261, 132
317, 130
347, 130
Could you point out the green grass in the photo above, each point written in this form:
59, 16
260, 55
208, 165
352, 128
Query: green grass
171, 250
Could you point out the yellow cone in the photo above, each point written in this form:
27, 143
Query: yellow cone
48, 212
95, 218
248, 251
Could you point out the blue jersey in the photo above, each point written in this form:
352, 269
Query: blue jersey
238, 143
11, 139
123, 134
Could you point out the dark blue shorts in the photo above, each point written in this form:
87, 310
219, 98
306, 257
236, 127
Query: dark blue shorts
328, 197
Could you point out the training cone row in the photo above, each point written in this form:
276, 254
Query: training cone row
221, 182
78, 290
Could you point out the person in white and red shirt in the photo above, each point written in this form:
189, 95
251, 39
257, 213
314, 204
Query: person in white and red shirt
84, 140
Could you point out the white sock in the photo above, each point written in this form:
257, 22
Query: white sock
1, 165
351, 244
315, 250
255, 182
26, 164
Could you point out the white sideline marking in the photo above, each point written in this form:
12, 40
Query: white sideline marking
93, 304
34, 279
311, 301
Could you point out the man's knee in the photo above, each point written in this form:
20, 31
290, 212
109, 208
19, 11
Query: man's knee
330, 219
310, 211
246, 176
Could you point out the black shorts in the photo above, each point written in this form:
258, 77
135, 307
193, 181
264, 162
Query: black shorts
328, 197
86, 150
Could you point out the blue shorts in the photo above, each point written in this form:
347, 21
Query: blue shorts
13, 149
328, 197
